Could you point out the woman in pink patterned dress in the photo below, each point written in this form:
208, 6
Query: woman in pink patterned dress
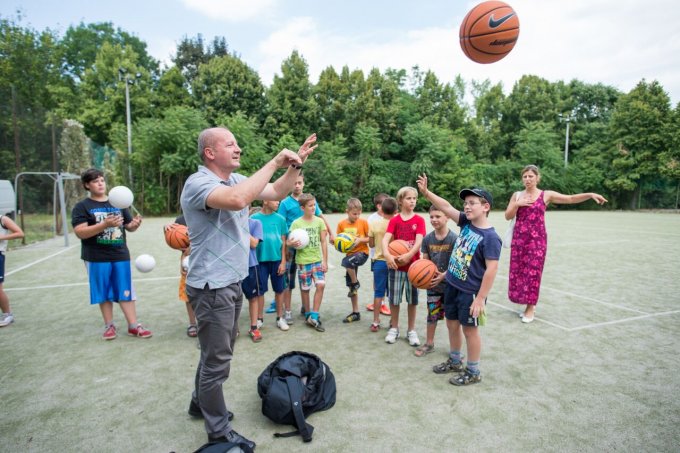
529, 239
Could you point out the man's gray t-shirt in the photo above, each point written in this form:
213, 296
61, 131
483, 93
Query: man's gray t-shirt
219, 238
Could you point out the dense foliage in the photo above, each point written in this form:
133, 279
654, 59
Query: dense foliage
377, 130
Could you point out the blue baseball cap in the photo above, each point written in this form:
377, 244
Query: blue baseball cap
478, 192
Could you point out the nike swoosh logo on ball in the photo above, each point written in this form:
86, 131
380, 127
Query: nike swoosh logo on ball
496, 23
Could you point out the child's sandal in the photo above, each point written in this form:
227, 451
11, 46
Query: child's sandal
192, 331
423, 350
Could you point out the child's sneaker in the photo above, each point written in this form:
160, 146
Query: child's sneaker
316, 323
282, 324
385, 310
392, 335
354, 316
466, 378
255, 335
139, 331
6, 319
109, 333
288, 316
260, 323
369, 307
375, 326
448, 367
272, 307
412, 337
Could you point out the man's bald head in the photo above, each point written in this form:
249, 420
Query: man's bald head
207, 138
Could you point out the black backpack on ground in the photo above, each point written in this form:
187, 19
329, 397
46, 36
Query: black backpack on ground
294, 386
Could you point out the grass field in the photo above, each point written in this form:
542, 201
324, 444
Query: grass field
596, 371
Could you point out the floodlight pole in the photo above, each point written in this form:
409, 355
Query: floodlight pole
129, 127
567, 118
123, 75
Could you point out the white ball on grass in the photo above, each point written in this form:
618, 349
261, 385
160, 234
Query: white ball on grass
145, 263
121, 197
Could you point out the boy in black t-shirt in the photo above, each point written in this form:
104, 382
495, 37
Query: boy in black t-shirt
101, 228
437, 247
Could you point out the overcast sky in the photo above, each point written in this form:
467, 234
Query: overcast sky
616, 43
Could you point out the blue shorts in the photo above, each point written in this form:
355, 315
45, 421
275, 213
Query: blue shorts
269, 271
251, 284
110, 282
2, 267
457, 306
309, 273
379, 269
398, 284
289, 275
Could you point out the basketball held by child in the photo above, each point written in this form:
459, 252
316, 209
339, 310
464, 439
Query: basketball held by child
398, 247
177, 236
489, 32
121, 197
344, 242
421, 273
301, 235
145, 263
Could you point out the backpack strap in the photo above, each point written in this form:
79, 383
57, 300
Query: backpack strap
304, 428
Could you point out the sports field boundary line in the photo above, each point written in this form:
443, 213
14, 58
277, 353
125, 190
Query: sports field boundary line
609, 304
70, 285
536, 319
620, 321
45, 258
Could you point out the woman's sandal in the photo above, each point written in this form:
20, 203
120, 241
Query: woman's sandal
192, 331
423, 350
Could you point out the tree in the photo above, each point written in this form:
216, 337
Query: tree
192, 53
74, 152
329, 104
290, 105
104, 92
171, 90
82, 43
640, 128
164, 154
226, 85
532, 99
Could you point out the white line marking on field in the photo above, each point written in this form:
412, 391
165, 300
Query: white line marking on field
40, 260
609, 304
575, 244
69, 285
619, 321
566, 329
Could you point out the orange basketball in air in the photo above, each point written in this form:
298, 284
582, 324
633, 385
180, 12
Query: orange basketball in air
398, 247
421, 273
177, 236
489, 32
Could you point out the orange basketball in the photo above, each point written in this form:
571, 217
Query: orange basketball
421, 273
489, 32
398, 247
177, 236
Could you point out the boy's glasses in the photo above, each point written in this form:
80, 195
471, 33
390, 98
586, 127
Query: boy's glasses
470, 203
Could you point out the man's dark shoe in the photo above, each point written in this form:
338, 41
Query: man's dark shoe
195, 411
233, 436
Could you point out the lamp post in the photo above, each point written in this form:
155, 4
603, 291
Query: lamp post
566, 118
123, 75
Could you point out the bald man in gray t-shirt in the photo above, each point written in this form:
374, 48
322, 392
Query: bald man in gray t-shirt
215, 203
